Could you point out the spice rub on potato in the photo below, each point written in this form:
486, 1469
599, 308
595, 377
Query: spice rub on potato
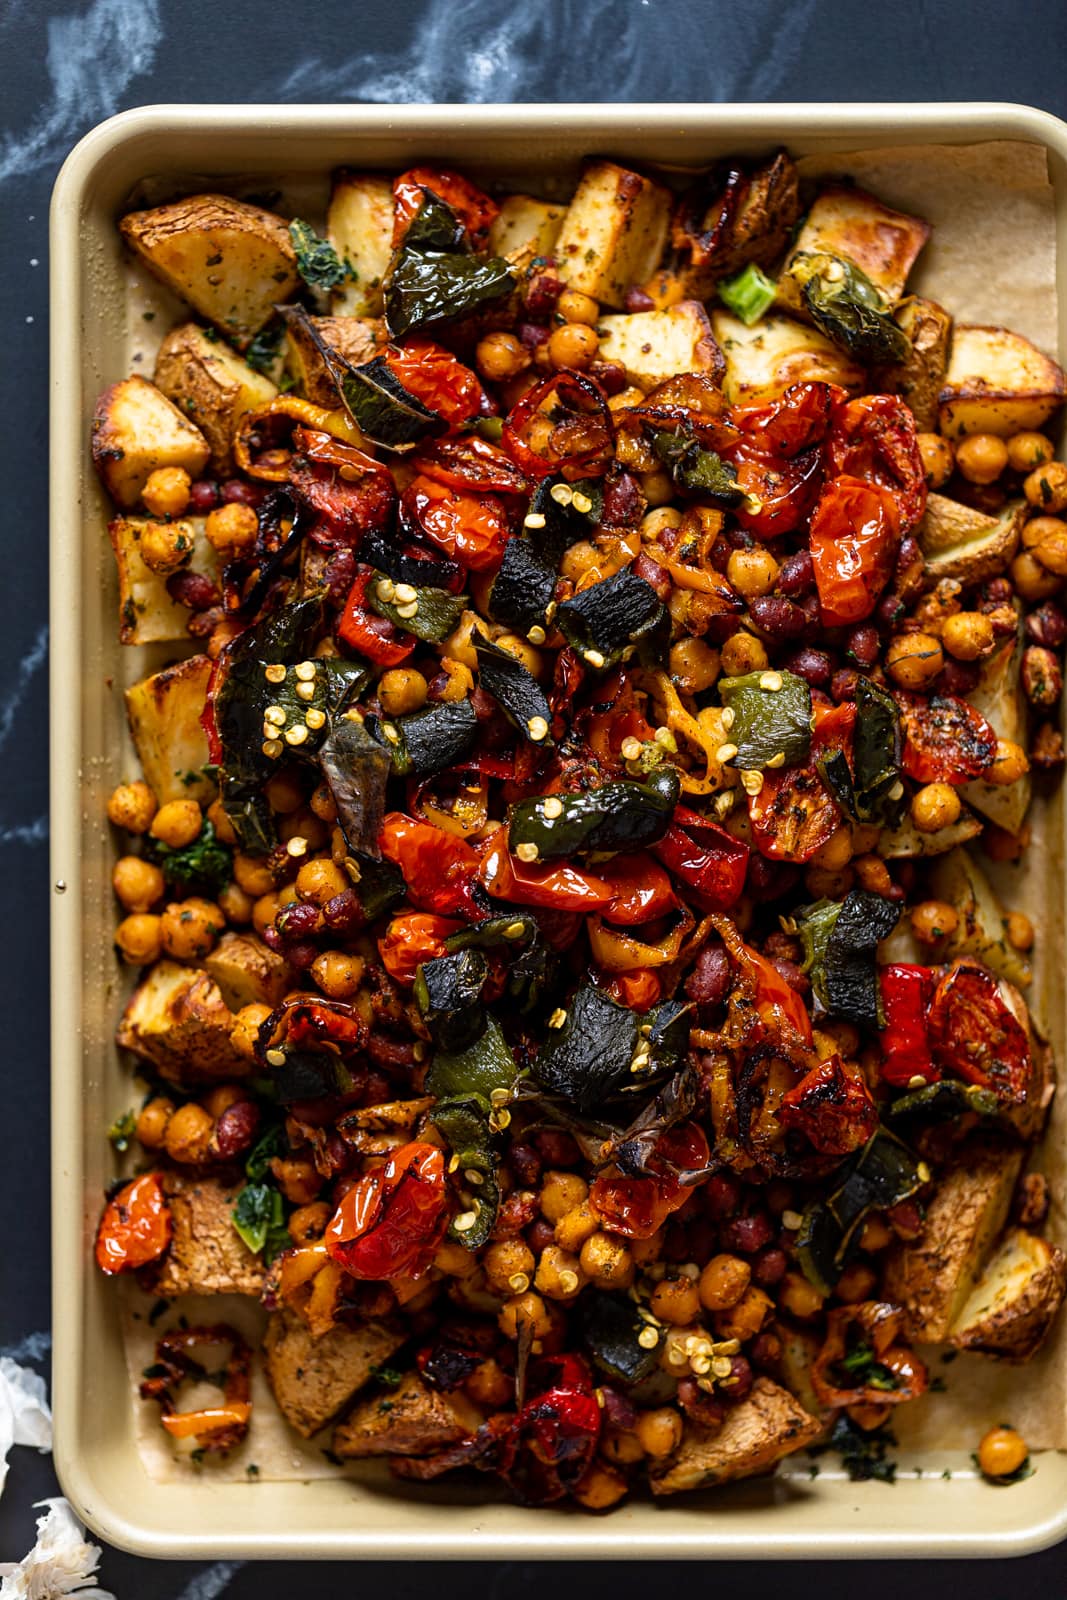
177, 1020
755, 1436
137, 430
412, 1420
164, 713
206, 1255
613, 233
313, 1380
997, 382
212, 384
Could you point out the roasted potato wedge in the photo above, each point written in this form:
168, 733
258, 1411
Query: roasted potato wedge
164, 715
656, 345
755, 1436
849, 222
247, 972
355, 338
524, 229
207, 1255
231, 261
613, 233
137, 429
212, 384
905, 840
920, 379
958, 880
932, 1276
413, 1420
762, 361
713, 239
359, 225
959, 542
177, 1019
999, 696
147, 614
1011, 1308
314, 1379
997, 382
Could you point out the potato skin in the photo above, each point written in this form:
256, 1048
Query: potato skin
136, 429
413, 1420
1014, 1303
355, 338
177, 1019
997, 382
212, 385
613, 233
755, 1436
959, 542
314, 1379
919, 379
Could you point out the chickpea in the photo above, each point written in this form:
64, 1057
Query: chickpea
216, 815
235, 905
607, 1261
723, 1281
935, 806
876, 1235
232, 530
137, 883
658, 521
658, 487
937, 458
138, 938
912, 659
402, 690
337, 974
856, 1283
298, 1179
490, 1386
132, 806
265, 912
245, 1030
177, 823
824, 885
166, 547
798, 1297
744, 1320
646, 1251
500, 356
752, 572
221, 1098
509, 1266
322, 803
836, 852
743, 653
659, 1431
1046, 487
152, 1121
1000, 845
694, 665
968, 635
621, 1449
456, 1261
573, 345
1051, 551
1020, 930
872, 874
320, 880
253, 874
1009, 764
1002, 1452
189, 928
524, 652
187, 1136
309, 1222
1031, 579
284, 792
981, 457
675, 1300
559, 1274
577, 1226
932, 920
524, 1310
600, 1488
166, 493
573, 306
560, 1193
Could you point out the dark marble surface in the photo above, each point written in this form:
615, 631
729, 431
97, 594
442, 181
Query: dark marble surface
65, 69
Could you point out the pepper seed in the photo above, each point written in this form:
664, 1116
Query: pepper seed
562, 494
297, 846
297, 735
305, 671
465, 1221
514, 930
725, 753
752, 782
648, 1338
275, 673
558, 1018
276, 715
771, 681
594, 658
581, 502
527, 852
407, 611
552, 808
386, 590
305, 691
537, 728
315, 718
728, 715
631, 748
276, 1058
537, 634
272, 748
533, 519
777, 760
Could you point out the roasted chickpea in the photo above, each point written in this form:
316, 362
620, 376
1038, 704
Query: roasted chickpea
1009, 764
337, 974
968, 635
1046, 487
600, 1488
744, 1320
659, 1431
577, 1226
694, 665
981, 457
166, 493
798, 1297
1020, 930
1029, 450
509, 1266
522, 651
932, 920
743, 653
752, 572
132, 806
265, 911
232, 530
320, 880
524, 1310
500, 356
166, 547
253, 874
872, 874
836, 852
1002, 1452
560, 1193
219, 1099
322, 803
675, 1300
137, 883
912, 659
607, 1261
401, 691
236, 906
659, 521
621, 1448
573, 306
284, 792
188, 1133
856, 1283
658, 487
245, 1030
573, 345
138, 938
1051, 548
559, 1274
216, 815
937, 458
1000, 845
189, 928
723, 1281
298, 1179
152, 1120
309, 1222
1033, 580
490, 1386
824, 885
177, 823
935, 806
876, 1235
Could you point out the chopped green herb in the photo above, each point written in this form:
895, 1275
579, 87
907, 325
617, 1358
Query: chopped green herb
748, 294
316, 259
262, 354
121, 1130
203, 867
863, 1455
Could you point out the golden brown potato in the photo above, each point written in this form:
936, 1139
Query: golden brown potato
656, 345
177, 1019
147, 614
164, 715
932, 1276
997, 382
960, 882
762, 361
755, 1436
231, 261
959, 542
359, 225
136, 429
525, 229
848, 222
314, 1379
999, 696
413, 1420
613, 233
799, 1349
905, 840
1012, 1306
355, 338
920, 379
207, 1255
709, 247
247, 972
212, 384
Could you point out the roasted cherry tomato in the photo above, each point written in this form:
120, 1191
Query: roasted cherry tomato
433, 375
638, 990
780, 1007
305, 1022
471, 463
865, 1359
350, 491
945, 739
412, 938
392, 1220
641, 890
794, 813
708, 860
580, 438
638, 1207
364, 631
471, 528
559, 887
135, 1228
439, 868
975, 1034
787, 427
906, 995
873, 438
854, 535
556, 1431
472, 207
831, 1108
780, 494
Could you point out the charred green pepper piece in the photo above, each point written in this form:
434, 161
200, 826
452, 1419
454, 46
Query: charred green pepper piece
847, 307
464, 1123
531, 963
617, 816
943, 1102
427, 741
871, 790
356, 770
610, 1327
749, 294
523, 588
622, 613
448, 993
840, 939
571, 511
434, 278
880, 1175
481, 1067
589, 1049
309, 1075
437, 611
772, 719
698, 470
516, 691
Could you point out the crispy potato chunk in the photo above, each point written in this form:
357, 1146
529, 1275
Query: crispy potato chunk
905, 840
1012, 1306
656, 345
932, 1276
314, 1379
147, 614
355, 338
359, 225
755, 1436
231, 261
413, 1420
999, 696
164, 715
959, 542
757, 230
247, 972
207, 1255
212, 384
849, 222
177, 1019
997, 382
613, 233
524, 229
137, 429
959, 880
920, 379
762, 361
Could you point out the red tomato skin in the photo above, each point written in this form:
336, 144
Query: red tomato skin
945, 739
638, 1207
471, 528
439, 868
136, 1226
392, 1220
873, 438
709, 861
556, 888
433, 375
781, 492
412, 938
832, 1109
472, 207
853, 539
773, 812
638, 990
364, 631
791, 425
906, 993
975, 1036
775, 1000
641, 890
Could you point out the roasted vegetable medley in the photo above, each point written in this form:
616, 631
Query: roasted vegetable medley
617, 637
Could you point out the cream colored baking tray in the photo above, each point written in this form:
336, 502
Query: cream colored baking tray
177, 147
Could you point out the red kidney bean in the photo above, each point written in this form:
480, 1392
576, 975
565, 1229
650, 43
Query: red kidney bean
654, 574
797, 980
888, 612
747, 1235
619, 1410
1047, 626
339, 574
611, 377
539, 1235
624, 504
517, 1211
699, 1406
770, 880
298, 921
387, 1051
532, 334
236, 1128
862, 645
765, 1351
769, 1267
542, 292
909, 573
994, 592
781, 944
637, 299
738, 1385
843, 684
796, 575
302, 954
719, 556
956, 677
203, 496
235, 491
814, 666
203, 623
777, 617
722, 1195
709, 982
556, 1149
193, 590
525, 1163
343, 912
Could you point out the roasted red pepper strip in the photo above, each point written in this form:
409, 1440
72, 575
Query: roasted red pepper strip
303, 1021
472, 207
557, 888
638, 990
854, 536
708, 860
351, 492
392, 1220
865, 1360
559, 1428
471, 463
873, 438
471, 528
906, 994
975, 1034
945, 739
412, 938
580, 446
776, 1002
375, 637
794, 813
438, 868
135, 1228
641, 890
433, 375
831, 1108
638, 1207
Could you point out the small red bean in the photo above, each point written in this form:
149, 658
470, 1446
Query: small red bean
738, 1385
610, 376
387, 1051
539, 1235
637, 299
236, 492
203, 496
796, 575
797, 980
193, 590
236, 1128
532, 334
525, 1163
722, 1195
709, 982
623, 501
770, 880
778, 617
556, 1149
862, 645
843, 684
1047, 626
956, 677
814, 666
747, 1235
769, 1267
705, 1409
